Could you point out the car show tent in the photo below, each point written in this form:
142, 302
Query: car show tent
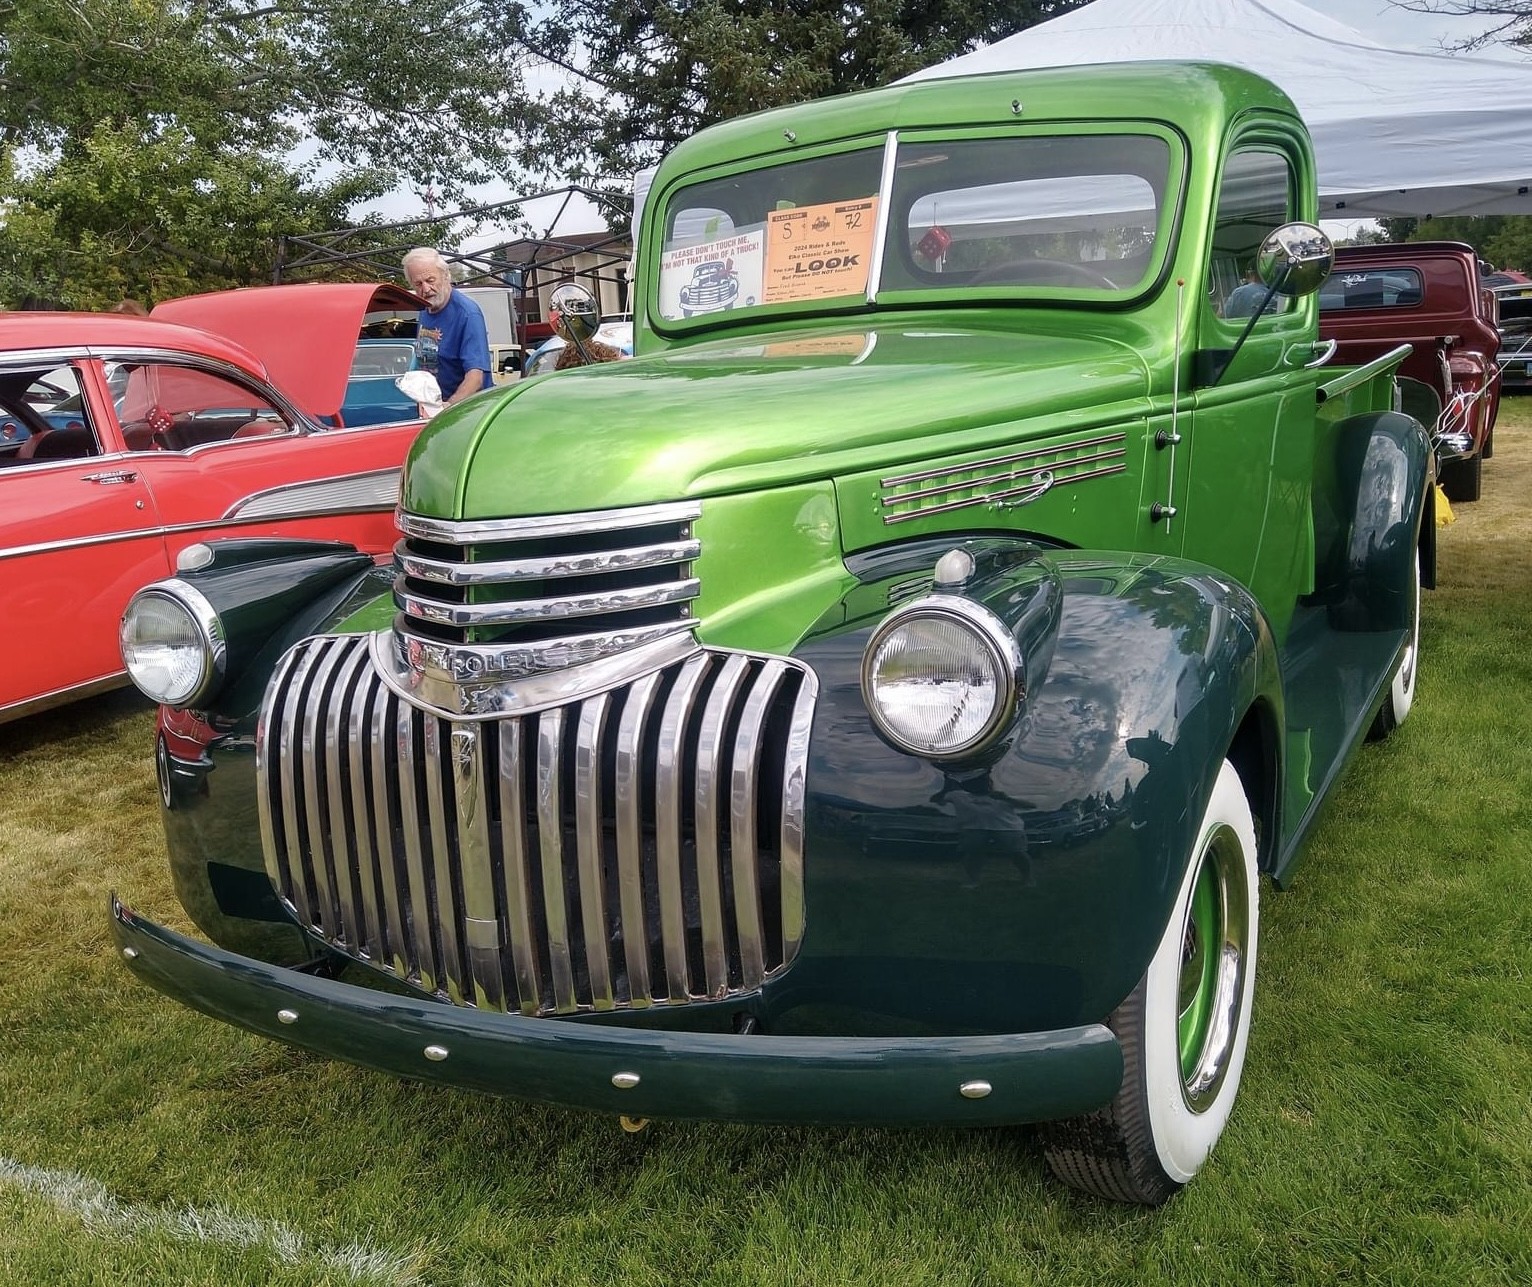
1396, 132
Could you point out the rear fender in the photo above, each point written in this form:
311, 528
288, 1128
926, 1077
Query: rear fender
1383, 474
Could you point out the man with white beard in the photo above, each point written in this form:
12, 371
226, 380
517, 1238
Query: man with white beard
451, 335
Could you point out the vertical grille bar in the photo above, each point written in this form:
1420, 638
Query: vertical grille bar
288, 756
381, 806
589, 809
708, 785
410, 772
744, 788
313, 743
629, 781
270, 764
550, 835
481, 924
518, 885
669, 767
371, 937
794, 789
439, 751
343, 839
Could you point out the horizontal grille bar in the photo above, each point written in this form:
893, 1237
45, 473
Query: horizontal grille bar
635, 847
532, 569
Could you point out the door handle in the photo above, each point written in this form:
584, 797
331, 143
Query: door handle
112, 476
1317, 354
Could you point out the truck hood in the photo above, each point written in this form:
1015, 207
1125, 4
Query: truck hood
732, 416
305, 333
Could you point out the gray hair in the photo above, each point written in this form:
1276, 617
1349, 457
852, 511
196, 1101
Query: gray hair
426, 255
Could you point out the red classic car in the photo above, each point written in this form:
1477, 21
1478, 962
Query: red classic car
129, 439
1426, 294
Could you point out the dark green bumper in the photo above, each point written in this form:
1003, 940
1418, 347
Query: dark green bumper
936, 1081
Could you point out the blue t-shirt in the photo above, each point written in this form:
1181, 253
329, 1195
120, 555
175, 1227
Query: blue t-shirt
453, 342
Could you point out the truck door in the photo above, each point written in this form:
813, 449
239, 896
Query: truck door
1246, 507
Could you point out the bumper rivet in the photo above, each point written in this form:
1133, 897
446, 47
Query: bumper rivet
436, 1053
625, 1080
974, 1089
130, 953
287, 1016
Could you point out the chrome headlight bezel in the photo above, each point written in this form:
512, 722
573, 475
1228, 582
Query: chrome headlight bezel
995, 644
212, 661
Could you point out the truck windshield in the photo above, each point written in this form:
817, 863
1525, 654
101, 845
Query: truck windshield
1078, 213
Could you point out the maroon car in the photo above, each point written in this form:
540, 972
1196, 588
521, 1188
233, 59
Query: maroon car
1426, 294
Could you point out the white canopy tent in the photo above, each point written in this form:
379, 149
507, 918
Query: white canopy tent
1396, 132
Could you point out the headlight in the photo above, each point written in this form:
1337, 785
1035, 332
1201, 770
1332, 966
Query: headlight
172, 643
941, 678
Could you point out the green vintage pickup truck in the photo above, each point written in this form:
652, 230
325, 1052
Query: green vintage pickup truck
881, 699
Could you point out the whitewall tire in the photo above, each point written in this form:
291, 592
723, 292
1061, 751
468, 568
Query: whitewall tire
1184, 1029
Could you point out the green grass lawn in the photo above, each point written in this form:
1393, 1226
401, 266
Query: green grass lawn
1383, 1133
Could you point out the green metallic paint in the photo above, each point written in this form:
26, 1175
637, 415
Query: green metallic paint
1199, 968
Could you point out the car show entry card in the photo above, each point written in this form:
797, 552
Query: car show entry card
813, 252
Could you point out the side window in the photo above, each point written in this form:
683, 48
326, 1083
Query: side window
44, 416
1255, 196
163, 406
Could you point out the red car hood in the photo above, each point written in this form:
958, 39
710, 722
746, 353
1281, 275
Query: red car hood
305, 334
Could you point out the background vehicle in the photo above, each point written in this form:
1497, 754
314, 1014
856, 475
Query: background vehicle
880, 701
616, 331
1428, 295
173, 435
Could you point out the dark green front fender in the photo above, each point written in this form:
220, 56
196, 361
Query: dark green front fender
1030, 891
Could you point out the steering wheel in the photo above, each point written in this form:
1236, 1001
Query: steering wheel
1039, 272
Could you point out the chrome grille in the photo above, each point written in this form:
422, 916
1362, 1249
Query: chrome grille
641, 845
591, 583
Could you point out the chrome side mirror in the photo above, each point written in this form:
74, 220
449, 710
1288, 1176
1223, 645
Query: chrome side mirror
574, 313
1295, 259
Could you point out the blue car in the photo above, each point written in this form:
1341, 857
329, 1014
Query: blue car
372, 397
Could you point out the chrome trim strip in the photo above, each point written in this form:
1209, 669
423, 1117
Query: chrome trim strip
744, 787
478, 682
667, 824
518, 882
555, 609
629, 781
550, 835
710, 775
1031, 490
1035, 468
445, 572
885, 202
450, 532
992, 462
348, 493
588, 759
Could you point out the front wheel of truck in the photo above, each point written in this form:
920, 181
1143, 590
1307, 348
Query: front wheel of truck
1183, 1029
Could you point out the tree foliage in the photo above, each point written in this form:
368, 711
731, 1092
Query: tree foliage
148, 147
1503, 240
655, 73
151, 147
